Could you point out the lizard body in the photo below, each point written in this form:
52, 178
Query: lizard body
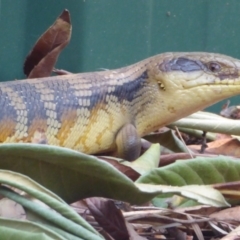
110, 110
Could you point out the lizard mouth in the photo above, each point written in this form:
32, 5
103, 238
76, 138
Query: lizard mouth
211, 83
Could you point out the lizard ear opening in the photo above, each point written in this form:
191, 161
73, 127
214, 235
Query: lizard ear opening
161, 85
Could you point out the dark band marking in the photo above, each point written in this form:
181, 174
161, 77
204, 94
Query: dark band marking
6, 108
223, 75
189, 65
128, 90
182, 64
65, 94
32, 100
64, 98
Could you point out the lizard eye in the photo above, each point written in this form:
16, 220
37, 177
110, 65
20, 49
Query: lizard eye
214, 67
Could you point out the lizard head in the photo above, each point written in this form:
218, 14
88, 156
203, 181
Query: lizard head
196, 69
184, 83
207, 75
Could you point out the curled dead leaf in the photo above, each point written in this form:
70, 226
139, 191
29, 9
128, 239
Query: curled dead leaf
227, 147
41, 60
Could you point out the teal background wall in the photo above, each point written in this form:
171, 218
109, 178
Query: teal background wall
115, 33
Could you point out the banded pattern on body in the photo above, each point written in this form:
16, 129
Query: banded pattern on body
101, 111
79, 111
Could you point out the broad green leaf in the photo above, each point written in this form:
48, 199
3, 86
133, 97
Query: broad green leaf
62, 233
60, 221
25, 183
227, 126
148, 161
211, 123
33, 217
206, 115
200, 171
34, 189
70, 174
16, 229
203, 194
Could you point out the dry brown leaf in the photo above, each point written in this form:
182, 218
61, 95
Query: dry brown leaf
234, 235
202, 210
80, 206
227, 186
230, 190
61, 72
133, 234
229, 214
108, 217
126, 170
229, 147
11, 209
196, 228
232, 112
41, 60
167, 159
223, 136
176, 233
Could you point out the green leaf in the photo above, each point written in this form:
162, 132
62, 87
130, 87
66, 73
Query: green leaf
205, 115
51, 216
70, 174
25, 183
200, 171
34, 189
16, 229
211, 124
33, 217
73, 175
148, 161
203, 194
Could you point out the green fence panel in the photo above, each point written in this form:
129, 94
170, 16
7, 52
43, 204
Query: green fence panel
114, 33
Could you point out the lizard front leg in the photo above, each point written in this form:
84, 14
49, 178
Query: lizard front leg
128, 143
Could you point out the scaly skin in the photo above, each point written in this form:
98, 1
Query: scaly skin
86, 111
